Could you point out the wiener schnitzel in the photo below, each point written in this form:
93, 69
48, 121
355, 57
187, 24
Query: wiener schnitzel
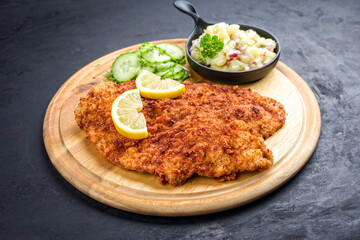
210, 130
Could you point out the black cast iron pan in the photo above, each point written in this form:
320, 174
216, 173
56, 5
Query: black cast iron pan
217, 75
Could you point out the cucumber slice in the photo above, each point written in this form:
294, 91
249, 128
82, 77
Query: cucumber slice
164, 66
178, 68
126, 66
179, 73
144, 47
165, 59
165, 73
181, 76
148, 68
175, 52
154, 55
182, 61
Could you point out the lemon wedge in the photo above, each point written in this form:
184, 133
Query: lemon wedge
126, 115
151, 86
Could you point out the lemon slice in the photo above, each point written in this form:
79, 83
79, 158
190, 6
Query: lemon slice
151, 86
126, 115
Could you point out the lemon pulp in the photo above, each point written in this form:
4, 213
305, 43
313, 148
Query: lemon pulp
152, 86
126, 115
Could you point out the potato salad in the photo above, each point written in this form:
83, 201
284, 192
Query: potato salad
228, 48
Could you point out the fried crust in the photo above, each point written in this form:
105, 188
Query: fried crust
210, 130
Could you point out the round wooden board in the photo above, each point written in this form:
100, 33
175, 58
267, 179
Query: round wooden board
80, 164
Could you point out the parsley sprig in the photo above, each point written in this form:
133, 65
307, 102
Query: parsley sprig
109, 77
210, 45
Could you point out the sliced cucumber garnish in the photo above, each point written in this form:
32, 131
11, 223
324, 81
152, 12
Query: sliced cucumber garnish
164, 59
148, 68
126, 66
179, 73
144, 47
180, 76
164, 66
164, 73
154, 55
175, 52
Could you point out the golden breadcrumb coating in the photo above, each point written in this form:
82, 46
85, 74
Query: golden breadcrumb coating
210, 130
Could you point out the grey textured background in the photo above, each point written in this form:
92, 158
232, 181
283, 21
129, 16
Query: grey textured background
42, 43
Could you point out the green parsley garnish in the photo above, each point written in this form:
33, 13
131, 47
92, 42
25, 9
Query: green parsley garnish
210, 46
109, 76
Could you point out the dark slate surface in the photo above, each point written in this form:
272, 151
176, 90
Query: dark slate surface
42, 43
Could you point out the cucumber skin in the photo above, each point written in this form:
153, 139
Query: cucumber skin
146, 66
144, 47
156, 67
175, 59
164, 73
167, 72
161, 52
122, 55
164, 66
177, 73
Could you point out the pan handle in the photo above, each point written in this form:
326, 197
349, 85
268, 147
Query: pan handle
188, 9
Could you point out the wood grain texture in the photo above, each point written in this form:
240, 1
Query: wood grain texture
80, 164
